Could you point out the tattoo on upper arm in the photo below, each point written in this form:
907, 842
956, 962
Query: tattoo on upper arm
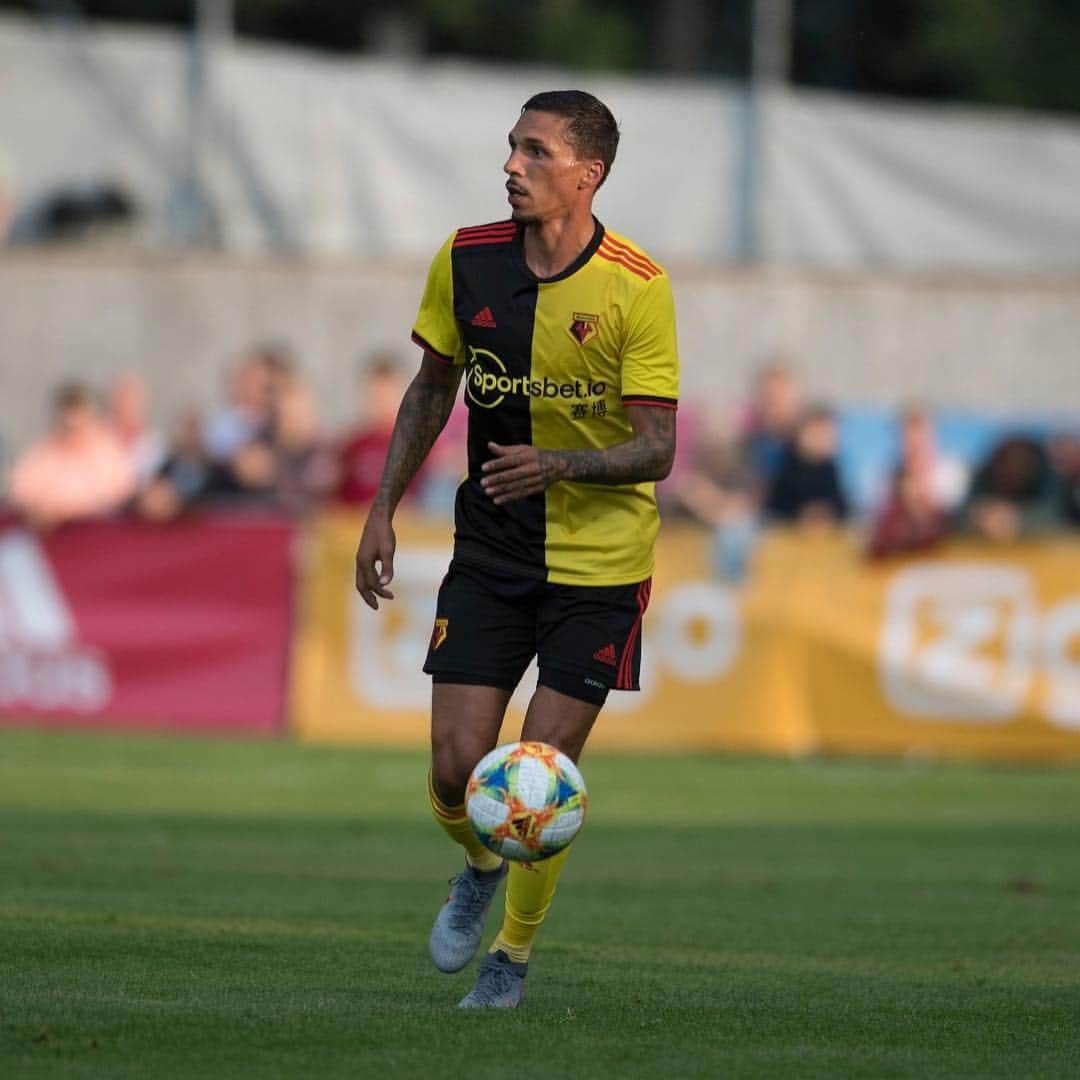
424, 410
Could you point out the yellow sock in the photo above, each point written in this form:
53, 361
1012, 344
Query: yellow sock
529, 889
455, 822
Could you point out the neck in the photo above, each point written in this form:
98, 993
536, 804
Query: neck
552, 245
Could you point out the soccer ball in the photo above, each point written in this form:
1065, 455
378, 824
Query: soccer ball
526, 801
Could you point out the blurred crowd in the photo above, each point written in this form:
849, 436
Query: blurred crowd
775, 460
771, 460
262, 447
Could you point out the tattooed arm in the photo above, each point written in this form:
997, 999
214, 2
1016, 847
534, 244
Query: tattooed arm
423, 413
515, 472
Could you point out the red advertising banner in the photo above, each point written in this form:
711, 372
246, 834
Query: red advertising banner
144, 626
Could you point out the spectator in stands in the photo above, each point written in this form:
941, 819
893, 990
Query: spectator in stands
927, 487
1065, 455
288, 466
128, 411
187, 477
240, 437
1015, 492
305, 466
248, 414
724, 492
910, 519
806, 488
946, 476
78, 470
772, 420
364, 449
735, 464
251, 472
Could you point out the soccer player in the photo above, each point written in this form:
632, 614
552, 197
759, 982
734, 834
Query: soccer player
564, 335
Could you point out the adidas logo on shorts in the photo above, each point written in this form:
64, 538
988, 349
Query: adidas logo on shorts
606, 655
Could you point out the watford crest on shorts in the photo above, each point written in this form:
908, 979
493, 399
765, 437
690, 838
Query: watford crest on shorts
438, 634
584, 327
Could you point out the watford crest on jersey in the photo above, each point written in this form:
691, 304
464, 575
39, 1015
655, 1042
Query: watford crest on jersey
584, 326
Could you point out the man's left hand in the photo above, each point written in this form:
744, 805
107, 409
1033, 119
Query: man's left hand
516, 472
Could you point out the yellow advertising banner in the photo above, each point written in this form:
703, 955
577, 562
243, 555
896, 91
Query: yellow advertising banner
971, 652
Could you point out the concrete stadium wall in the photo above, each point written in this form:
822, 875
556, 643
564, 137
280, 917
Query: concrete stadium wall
862, 339
364, 157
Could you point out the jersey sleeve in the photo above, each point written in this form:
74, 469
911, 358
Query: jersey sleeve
650, 360
436, 329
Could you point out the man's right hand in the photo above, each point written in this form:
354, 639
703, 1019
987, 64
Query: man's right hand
375, 559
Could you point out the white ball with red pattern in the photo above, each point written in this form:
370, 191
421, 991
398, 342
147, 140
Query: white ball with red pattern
526, 801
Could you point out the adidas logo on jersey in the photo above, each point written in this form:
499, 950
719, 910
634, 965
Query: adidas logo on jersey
43, 665
484, 318
606, 655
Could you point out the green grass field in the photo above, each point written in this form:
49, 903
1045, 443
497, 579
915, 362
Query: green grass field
189, 907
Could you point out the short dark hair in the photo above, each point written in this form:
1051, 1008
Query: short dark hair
591, 130
818, 411
72, 395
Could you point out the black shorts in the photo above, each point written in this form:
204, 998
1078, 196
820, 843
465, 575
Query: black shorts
489, 625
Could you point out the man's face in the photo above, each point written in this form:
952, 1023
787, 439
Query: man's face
817, 438
918, 437
779, 400
76, 420
544, 176
251, 385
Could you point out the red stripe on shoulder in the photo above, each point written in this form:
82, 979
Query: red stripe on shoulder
484, 240
632, 259
498, 232
428, 348
506, 223
473, 241
475, 234
618, 259
637, 256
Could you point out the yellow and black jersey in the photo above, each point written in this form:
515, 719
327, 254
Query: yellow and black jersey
553, 362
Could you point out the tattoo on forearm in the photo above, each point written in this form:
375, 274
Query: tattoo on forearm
647, 456
423, 413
